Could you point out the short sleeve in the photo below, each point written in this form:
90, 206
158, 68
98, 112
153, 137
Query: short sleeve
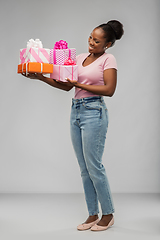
110, 62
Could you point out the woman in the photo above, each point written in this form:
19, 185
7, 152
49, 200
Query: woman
97, 77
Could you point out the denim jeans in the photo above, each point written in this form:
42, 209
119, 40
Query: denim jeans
89, 123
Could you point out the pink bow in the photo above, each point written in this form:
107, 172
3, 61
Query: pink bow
61, 45
69, 61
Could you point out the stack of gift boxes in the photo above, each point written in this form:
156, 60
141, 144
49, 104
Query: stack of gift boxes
35, 58
59, 61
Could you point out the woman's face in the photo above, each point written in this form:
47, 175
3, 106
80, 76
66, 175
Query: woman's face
97, 42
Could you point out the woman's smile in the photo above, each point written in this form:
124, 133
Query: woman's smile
91, 47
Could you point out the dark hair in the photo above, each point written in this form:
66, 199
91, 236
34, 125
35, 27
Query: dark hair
113, 30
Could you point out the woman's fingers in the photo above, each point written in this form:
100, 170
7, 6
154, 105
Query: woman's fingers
28, 75
33, 75
24, 74
71, 81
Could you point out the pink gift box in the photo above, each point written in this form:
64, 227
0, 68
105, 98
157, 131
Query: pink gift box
60, 72
59, 56
33, 54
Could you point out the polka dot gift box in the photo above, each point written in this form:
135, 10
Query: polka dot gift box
60, 53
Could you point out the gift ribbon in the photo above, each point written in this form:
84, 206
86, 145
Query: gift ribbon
70, 62
61, 45
26, 68
54, 56
72, 72
69, 52
34, 43
59, 71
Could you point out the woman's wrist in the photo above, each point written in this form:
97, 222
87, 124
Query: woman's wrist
77, 84
43, 78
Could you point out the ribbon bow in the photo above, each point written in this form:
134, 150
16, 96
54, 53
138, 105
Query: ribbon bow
61, 45
69, 61
34, 43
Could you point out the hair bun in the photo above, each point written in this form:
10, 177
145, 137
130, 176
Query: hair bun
117, 27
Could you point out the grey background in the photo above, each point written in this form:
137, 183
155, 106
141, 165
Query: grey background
36, 154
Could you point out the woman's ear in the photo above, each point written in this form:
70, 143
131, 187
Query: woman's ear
109, 44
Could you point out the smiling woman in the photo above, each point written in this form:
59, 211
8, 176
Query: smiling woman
97, 77
103, 82
96, 41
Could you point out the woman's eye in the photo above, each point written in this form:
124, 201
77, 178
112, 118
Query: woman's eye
96, 42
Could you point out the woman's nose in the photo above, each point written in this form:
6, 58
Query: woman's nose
91, 42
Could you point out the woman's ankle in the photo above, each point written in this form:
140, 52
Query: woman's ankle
91, 218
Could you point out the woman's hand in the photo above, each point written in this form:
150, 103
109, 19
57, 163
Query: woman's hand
66, 86
36, 76
72, 82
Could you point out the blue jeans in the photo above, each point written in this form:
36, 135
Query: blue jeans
89, 123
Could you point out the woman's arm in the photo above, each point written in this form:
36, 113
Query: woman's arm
58, 84
50, 81
108, 89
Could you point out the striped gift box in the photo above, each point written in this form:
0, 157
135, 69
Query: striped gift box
33, 54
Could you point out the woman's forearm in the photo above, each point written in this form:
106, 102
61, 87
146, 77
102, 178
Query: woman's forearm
56, 84
103, 90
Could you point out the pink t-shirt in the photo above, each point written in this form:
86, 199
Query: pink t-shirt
92, 74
